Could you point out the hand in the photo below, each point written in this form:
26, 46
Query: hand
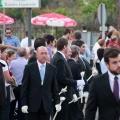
80, 83
63, 90
58, 107
74, 97
9, 46
24, 109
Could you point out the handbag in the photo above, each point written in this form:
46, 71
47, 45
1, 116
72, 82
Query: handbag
94, 70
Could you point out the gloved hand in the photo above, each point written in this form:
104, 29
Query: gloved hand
74, 97
80, 83
63, 90
58, 107
24, 109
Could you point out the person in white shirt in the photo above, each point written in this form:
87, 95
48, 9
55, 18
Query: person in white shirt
24, 42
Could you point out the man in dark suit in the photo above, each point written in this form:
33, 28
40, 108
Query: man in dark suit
2, 90
39, 88
105, 90
81, 60
64, 77
84, 64
38, 42
75, 110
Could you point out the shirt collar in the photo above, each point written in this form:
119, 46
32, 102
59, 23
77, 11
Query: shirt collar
39, 64
111, 76
81, 56
62, 54
10, 37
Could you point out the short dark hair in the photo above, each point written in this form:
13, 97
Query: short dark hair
78, 34
49, 38
8, 29
39, 42
75, 51
78, 43
61, 42
26, 33
67, 30
112, 52
84, 28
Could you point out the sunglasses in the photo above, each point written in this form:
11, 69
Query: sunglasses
8, 32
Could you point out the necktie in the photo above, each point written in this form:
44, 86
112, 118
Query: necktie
116, 88
42, 72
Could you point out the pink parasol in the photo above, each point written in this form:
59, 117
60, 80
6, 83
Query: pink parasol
7, 19
53, 19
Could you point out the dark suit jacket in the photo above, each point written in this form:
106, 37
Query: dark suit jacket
87, 69
2, 87
76, 69
32, 58
101, 96
64, 75
33, 93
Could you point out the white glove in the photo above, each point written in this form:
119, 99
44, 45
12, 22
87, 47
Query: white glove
74, 97
24, 109
80, 83
58, 107
63, 90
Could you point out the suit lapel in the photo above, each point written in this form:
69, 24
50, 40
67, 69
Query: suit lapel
37, 72
108, 88
46, 73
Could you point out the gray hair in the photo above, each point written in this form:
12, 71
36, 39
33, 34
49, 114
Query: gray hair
75, 51
22, 51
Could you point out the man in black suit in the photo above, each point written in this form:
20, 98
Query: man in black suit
39, 87
38, 42
81, 60
84, 64
75, 110
105, 90
64, 77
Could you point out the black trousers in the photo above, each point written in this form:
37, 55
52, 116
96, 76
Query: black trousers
1, 112
40, 115
63, 114
17, 92
6, 108
75, 111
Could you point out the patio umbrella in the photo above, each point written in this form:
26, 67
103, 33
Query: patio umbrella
54, 20
5, 19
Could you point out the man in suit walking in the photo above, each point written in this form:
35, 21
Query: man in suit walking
39, 87
75, 110
81, 60
64, 76
105, 90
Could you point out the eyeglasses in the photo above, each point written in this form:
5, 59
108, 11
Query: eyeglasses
8, 32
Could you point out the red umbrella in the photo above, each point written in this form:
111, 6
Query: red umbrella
7, 19
53, 19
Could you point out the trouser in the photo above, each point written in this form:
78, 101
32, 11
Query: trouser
1, 112
6, 108
40, 115
63, 114
21, 115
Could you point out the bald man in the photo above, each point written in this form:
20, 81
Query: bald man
39, 87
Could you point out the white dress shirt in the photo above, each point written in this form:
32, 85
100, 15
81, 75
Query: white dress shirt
111, 81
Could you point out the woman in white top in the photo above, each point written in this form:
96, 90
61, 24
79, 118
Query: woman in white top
8, 81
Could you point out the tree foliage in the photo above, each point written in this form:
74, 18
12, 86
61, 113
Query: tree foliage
83, 11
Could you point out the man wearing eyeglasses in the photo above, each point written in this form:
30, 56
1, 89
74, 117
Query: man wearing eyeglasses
11, 41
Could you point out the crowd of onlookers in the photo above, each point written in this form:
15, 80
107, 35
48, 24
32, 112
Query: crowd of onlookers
16, 54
